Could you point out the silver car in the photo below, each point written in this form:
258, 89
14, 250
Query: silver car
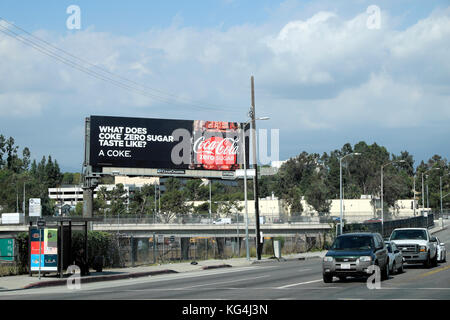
441, 251
396, 259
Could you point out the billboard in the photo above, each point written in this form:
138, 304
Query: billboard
166, 144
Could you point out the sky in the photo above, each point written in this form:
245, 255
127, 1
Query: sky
326, 72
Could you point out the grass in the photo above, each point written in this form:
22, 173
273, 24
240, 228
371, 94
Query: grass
8, 270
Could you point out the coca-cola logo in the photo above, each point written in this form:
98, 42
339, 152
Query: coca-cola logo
216, 152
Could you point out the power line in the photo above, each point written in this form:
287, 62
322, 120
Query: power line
99, 72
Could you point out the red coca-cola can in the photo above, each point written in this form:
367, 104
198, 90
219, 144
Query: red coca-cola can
215, 145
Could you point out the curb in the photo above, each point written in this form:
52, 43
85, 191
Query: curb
98, 278
285, 259
216, 267
444, 228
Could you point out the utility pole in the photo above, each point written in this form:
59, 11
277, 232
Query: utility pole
255, 179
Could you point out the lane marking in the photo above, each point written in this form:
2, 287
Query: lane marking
199, 285
432, 272
298, 284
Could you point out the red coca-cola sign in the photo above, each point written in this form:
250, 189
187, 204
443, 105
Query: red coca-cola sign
216, 153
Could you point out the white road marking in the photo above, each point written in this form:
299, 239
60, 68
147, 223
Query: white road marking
199, 285
298, 284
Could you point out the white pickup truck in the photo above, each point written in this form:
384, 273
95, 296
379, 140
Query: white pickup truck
416, 245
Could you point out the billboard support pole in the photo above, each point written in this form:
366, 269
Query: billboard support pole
255, 179
90, 180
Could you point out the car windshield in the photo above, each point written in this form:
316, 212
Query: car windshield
352, 243
409, 234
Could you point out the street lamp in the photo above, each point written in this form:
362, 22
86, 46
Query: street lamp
440, 187
340, 184
423, 190
245, 186
382, 205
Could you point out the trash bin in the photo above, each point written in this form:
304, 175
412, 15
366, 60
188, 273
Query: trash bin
277, 248
98, 263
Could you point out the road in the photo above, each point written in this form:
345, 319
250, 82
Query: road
293, 280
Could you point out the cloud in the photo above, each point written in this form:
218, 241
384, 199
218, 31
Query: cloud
323, 72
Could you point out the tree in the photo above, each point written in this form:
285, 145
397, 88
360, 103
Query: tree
172, 204
2, 150
143, 200
317, 197
228, 208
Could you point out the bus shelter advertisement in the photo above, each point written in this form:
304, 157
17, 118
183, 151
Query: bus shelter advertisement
166, 144
44, 249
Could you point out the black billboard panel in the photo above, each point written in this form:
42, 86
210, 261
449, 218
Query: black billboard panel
165, 144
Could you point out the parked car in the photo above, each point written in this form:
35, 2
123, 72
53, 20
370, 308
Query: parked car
416, 245
222, 221
395, 258
442, 252
352, 254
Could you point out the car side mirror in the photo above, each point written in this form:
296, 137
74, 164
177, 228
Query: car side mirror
433, 239
442, 244
396, 251
326, 247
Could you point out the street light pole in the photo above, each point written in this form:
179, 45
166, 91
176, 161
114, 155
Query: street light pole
340, 186
255, 178
423, 190
382, 193
414, 195
245, 186
440, 187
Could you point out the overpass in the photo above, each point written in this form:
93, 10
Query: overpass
194, 229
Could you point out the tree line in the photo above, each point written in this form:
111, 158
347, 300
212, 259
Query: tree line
19, 175
308, 176
317, 177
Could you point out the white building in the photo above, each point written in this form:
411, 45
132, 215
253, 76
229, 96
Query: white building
71, 195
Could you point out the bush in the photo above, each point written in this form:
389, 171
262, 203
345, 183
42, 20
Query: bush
99, 244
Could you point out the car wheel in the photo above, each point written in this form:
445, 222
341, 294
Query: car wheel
327, 278
434, 262
401, 269
385, 272
427, 263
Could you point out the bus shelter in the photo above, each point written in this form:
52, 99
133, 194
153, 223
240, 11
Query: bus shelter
50, 243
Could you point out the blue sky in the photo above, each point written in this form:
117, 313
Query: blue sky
321, 75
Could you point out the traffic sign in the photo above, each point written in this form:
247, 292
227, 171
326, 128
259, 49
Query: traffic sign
41, 223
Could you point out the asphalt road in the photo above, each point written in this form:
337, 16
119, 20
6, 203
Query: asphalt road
293, 280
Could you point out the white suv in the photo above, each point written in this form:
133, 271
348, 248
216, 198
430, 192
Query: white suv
416, 245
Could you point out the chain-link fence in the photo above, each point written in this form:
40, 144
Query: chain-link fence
135, 251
